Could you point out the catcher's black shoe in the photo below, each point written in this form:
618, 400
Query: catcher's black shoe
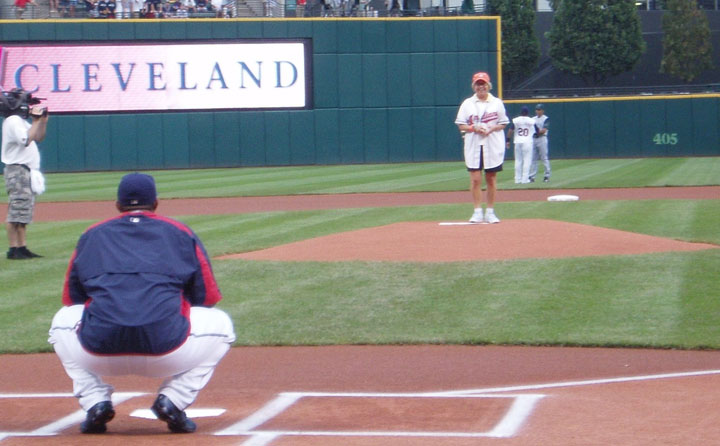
97, 417
175, 418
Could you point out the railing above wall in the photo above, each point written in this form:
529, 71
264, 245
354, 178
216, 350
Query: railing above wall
247, 8
611, 91
43, 11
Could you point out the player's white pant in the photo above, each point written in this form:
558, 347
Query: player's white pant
540, 152
186, 370
523, 159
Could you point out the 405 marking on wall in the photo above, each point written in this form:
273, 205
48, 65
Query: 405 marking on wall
665, 139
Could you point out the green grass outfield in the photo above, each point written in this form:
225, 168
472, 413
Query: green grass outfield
666, 300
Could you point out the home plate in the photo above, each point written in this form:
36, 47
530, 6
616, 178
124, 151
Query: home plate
563, 198
191, 413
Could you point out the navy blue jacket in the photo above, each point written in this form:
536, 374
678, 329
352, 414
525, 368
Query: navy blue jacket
138, 274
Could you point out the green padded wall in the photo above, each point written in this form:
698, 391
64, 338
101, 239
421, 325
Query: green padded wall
623, 127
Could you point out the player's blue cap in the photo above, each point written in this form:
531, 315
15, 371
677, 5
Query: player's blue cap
524, 110
539, 107
136, 189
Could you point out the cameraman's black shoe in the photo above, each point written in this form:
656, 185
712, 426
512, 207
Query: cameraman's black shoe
16, 254
26, 252
97, 417
175, 418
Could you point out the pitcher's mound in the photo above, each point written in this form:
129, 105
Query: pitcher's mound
433, 242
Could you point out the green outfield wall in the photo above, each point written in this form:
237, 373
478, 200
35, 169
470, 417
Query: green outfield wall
640, 126
383, 90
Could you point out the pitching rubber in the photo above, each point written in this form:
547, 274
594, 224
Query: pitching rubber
563, 198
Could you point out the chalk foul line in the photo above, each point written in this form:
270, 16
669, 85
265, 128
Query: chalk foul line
589, 382
519, 411
508, 425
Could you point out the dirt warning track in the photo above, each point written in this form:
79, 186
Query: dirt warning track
97, 210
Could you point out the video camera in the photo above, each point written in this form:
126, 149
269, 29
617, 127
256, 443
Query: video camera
18, 102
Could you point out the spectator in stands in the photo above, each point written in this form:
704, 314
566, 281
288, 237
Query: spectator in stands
202, 6
300, 8
146, 10
153, 9
54, 6
128, 8
226, 10
216, 7
91, 8
63, 7
188, 7
394, 7
106, 9
20, 6
73, 5
174, 7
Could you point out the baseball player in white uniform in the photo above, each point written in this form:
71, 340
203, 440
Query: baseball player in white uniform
522, 129
482, 119
540, 144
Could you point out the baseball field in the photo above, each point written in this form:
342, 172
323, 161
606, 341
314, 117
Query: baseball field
664, 300
531, 284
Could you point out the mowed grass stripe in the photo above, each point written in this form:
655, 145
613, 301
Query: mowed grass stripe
374, 302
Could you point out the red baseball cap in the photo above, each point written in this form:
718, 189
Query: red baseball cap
481, 76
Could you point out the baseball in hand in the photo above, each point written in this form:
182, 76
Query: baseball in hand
482, 128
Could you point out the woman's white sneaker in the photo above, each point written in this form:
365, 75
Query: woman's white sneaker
490, 217
477, 216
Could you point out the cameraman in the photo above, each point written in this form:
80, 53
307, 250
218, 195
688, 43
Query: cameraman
20, 154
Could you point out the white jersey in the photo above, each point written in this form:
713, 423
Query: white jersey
523, 129
14, 137
490, 112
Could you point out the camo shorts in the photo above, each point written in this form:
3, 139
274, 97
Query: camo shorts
21, 199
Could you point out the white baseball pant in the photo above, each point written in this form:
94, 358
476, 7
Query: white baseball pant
186, 369
523, 159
